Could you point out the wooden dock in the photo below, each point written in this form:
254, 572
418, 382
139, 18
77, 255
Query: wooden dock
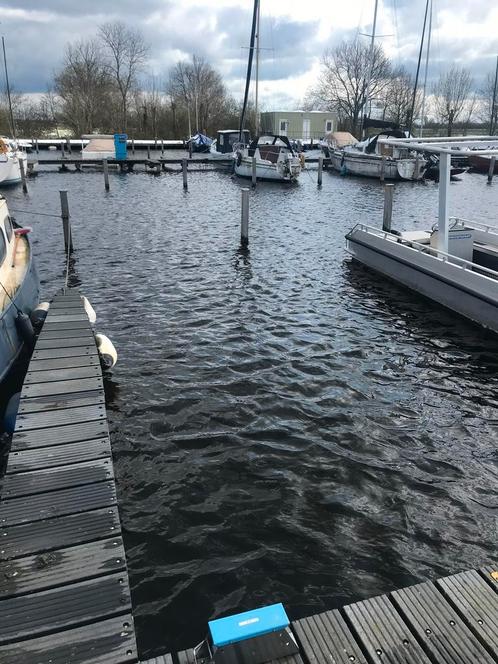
64, 591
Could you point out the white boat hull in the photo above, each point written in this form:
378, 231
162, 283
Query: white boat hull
264, 171
10, 170
464, 291
373, 165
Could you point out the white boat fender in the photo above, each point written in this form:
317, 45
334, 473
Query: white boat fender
10, 415
39, 313
107, 352
90, 311
25, 328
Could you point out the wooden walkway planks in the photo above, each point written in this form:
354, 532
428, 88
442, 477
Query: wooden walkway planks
64, 591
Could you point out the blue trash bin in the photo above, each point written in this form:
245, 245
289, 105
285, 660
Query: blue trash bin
120, 145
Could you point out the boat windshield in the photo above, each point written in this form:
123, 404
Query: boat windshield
3, 248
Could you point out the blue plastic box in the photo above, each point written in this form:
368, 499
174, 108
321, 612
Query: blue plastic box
248, 625
120, 146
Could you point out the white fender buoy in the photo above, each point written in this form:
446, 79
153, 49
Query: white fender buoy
90, 311
39, 313
107, 352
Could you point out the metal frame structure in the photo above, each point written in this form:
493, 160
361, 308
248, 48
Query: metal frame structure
445, 146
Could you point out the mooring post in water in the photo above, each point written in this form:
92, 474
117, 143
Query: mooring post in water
244, 218
105, 166
62, 149
320, 170
184, 171
36, 145
253, 172
132, 146
66, 224
155, 144
162, 147
491, 169
388, 207
383, 168
190, 149
68, 145
23, 176
148, 152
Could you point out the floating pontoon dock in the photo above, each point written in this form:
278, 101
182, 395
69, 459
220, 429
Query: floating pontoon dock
64, 591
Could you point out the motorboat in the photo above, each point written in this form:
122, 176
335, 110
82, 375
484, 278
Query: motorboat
455, 263
19, 287
200, 143
226, 142
274, 159
11, 156
375, 159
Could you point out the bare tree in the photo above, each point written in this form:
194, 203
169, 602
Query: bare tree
125, 52
342, 86
84, 88
486, 112
398, 98
450, 95
198, 88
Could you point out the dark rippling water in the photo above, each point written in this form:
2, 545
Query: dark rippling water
286, 426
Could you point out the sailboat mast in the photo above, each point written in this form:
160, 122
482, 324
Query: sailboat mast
12, 124
249, 67
370, 69
414, 97
421, 131
492, 124
257, 73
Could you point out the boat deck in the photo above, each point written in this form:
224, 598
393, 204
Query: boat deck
64, 591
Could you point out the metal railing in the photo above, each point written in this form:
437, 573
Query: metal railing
427, 249
487, 228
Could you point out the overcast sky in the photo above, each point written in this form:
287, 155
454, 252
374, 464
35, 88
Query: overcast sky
295, 32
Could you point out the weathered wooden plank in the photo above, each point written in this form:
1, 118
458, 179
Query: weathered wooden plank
66, 316
56, 418
60, 435
81, 332
71, 400
51, 342
55, 533
325, 637
61, 567
110, 641
62, 387
443, 632
64, 362
383, 634
36, 377
57, 503
59, 455
57, 353
65, 607
15, 485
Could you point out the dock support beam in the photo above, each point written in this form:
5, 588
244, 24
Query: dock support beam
66, 224
444, 190
253, 172
184, 172
23, 176
320, 170
244, 219
105, 166
491, 170
388, 207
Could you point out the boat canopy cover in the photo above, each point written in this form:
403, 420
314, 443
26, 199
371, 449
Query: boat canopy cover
380, 124
200, 139
227, 137
273, 139
372, 143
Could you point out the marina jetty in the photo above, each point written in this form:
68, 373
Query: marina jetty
64, 589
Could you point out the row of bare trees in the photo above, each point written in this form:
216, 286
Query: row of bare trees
350, 72
103, 86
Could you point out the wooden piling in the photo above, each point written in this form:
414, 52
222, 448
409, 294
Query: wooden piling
23, 176
66, 224
244, 218
148, 152
106, 174
155, 144
162, 147
253, 172
491, 170
132, 146
184, 171
320, 170
383, 169
36, 146
190, 149
68, 145
388, 207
